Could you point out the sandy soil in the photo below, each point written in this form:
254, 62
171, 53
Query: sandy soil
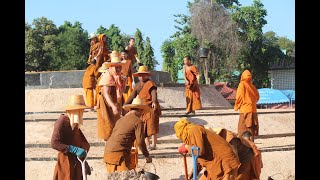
277, 142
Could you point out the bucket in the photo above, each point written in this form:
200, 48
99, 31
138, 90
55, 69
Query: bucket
151, 176
133, 158
203, 52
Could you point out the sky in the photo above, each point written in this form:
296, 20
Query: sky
155, 19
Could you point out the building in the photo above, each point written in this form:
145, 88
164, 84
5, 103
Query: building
282, 76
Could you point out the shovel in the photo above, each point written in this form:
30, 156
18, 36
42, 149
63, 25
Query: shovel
195, 157
185, 166
83, 167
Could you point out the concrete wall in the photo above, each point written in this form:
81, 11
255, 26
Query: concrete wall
73, 79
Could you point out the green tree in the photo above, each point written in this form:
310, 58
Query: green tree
139, 43
148, 55
73, 48
251, 20
167, 53
114, 38
39, 44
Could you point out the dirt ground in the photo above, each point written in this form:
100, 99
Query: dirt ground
276, 140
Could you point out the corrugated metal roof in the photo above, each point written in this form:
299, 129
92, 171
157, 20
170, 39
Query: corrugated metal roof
272, 96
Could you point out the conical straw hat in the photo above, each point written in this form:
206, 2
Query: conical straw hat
136, 103
76, 102
142, 70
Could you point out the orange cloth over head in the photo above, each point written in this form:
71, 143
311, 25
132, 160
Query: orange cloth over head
247, 94
182, 129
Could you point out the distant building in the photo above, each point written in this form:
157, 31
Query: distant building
180, 77
228, 93
282, 76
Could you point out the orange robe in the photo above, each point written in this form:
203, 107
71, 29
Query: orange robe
68, 166
250, 169
246, 100
192, 90
216, 155
104, 56
132, 53
105, 116
126, 71
89, 84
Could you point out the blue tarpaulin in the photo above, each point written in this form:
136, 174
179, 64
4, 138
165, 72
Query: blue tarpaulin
290, 94
272, 96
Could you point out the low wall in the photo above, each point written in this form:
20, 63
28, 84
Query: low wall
73, 79
170, 96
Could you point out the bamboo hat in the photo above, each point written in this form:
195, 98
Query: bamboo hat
142, 70
136, 103
76, 102
115, 60
93, 35
103, 68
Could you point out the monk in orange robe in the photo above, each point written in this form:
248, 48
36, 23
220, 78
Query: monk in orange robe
68, 139
108, 110
246, 100
248, 153
191, 77
93, 40
216, 154
103, 47
89, 84
127, 70
132, 52
147, 90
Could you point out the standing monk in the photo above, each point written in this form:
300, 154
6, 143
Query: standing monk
191, 76
93, 40
147, 90
246, 100
129, 128
248, 153
69, 140
216, 155
127, 70
132, 51
111, 83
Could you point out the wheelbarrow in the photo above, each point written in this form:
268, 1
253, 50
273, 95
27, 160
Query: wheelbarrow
83, 167
195, 158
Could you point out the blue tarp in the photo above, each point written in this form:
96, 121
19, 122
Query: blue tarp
272, 96
291, 94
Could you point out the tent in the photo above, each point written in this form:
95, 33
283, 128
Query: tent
271, 96
290, 94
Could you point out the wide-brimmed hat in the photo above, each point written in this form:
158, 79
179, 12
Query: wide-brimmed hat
76, 102
92, 35
103, 68
142, 70
136, 103
115, 61
114, 54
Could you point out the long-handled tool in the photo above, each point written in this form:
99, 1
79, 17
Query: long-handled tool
185, 166
195, 157
83, 167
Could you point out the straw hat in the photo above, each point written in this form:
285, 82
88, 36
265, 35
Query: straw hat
142, 70
136, 103
76, 102
103, 68
115, 61
114, 54
93, 35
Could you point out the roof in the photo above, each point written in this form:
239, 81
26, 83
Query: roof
227, 92
272, 96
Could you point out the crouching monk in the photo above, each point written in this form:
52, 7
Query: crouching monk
126, 130
216, 154
69, 140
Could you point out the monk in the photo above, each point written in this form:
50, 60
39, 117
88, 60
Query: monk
246, 100
127, 129
132, 51
89, 84
216, 155
111, 84
127, 70
147, 90
93, 40
191, 77
248, 153
69, 140
101, 45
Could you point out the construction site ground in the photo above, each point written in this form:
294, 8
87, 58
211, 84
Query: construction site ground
276, 141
